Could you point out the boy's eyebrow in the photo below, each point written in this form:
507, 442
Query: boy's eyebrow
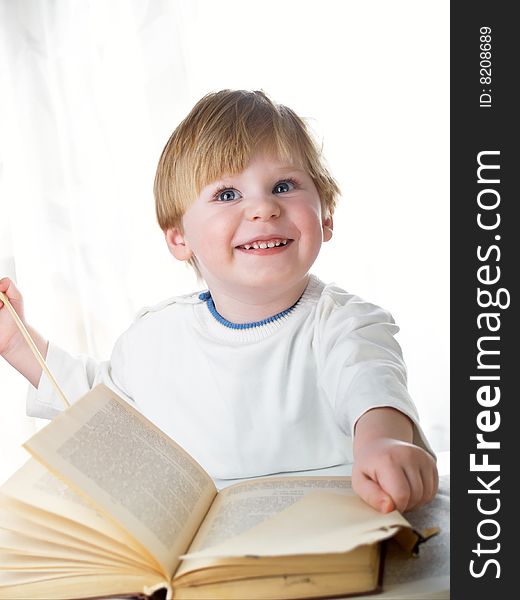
293, 168
223, 179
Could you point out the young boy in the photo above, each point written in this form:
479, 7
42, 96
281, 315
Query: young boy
269, 370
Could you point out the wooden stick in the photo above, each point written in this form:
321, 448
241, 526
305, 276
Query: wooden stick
33, 347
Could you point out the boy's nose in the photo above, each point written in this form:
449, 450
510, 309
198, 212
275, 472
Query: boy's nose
263, 208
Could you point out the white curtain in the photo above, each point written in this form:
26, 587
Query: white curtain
90, 92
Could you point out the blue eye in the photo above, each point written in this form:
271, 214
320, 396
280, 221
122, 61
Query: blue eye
283, 186
227, 195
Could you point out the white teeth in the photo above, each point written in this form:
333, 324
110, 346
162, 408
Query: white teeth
263, 245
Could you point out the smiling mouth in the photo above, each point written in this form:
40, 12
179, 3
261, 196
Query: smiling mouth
265, 244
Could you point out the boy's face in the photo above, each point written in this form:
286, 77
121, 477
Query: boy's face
259, 229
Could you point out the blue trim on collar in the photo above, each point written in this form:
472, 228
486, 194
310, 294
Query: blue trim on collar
206, 297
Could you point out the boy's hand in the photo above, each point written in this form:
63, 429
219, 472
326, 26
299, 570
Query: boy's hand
389, 471
391, 474
10, 336
13, 346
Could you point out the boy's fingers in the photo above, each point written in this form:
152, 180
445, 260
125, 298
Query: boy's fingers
431, 484
372, 494
5, 282
416, 487
395, 483
10, 290
3, 288
435, 475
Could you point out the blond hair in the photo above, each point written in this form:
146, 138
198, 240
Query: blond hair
219, 137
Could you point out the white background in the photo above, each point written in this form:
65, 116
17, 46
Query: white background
90, 93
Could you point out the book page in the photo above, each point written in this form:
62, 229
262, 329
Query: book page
13, 523
105, 449
26, 520
17, 543
322, 522
43, 585
243, 505
33, 486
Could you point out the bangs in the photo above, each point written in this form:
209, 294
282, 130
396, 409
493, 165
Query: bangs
230, 144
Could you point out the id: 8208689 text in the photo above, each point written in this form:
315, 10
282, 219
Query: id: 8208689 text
485, 67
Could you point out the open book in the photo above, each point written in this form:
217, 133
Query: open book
110, 505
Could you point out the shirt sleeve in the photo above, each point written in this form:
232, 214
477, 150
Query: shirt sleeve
360, 363
76, 375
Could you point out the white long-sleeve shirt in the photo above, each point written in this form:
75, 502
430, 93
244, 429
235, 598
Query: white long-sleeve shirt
278, 397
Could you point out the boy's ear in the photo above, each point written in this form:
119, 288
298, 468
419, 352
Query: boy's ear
177, 245
327, 226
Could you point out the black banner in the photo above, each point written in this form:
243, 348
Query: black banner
484, 298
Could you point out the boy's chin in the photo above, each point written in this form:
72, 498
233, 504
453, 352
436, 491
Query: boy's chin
268, 277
